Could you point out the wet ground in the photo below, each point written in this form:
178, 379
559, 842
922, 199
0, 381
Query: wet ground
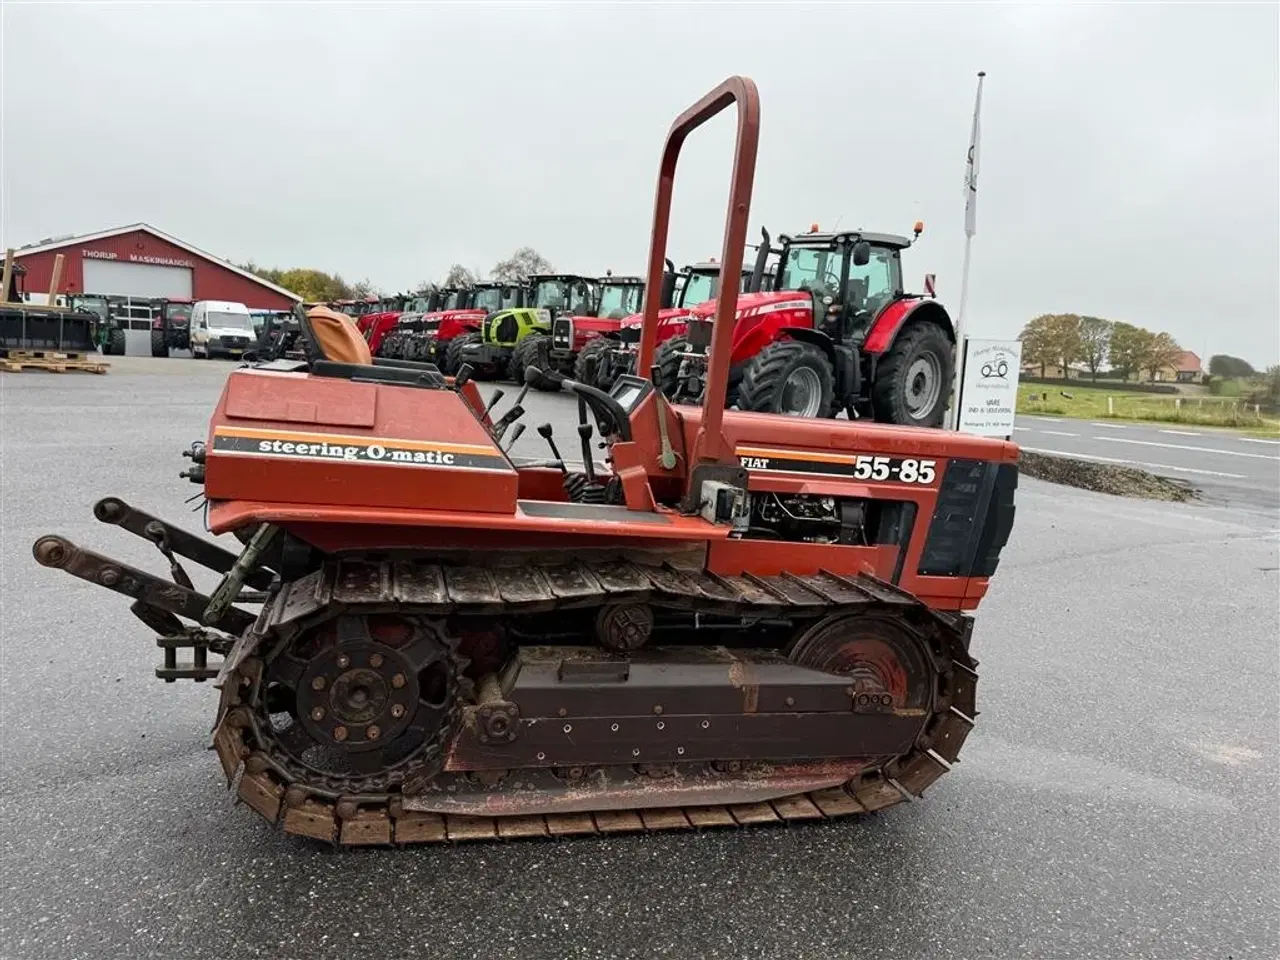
1117, 799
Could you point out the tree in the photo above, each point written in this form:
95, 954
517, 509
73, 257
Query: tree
1095, 336
1064, 331
1223, 365
1162, 351
1037, 342
313, 286
523, 263
459, 276
363, 288
1128, 348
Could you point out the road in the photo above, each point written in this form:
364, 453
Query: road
1229, 468
1117, 798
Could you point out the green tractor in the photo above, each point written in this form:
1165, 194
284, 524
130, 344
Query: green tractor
498, 349
108, 330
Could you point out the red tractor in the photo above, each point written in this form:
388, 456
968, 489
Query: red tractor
611, 352
618, 298
438, 337
836, 332
381, 319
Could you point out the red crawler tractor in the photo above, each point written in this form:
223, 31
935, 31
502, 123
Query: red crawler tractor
740, 618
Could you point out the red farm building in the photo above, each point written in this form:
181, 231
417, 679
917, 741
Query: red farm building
140, 261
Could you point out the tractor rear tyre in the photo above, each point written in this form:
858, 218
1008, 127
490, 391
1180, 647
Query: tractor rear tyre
789, 377
534, 351
115, 343
667, 359
592, 364
159, 346
913, 379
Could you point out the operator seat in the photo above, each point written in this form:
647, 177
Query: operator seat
336, 349
335, 337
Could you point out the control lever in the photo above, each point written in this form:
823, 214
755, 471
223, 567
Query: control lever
515, 435
544, 429
497, 395
510, 417
668, 455
584, 431
462, 376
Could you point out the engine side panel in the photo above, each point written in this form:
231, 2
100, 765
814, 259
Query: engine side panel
299, 439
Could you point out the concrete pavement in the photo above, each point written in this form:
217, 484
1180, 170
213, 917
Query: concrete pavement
1229, 468
1116, 798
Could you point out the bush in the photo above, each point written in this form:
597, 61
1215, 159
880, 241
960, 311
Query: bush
1225, 387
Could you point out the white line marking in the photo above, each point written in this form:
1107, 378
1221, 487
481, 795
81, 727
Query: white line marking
1060, 433
1137, 463
1050, 419
1109, 426
1256, 440
1183, 433
1178, 446
1024, 429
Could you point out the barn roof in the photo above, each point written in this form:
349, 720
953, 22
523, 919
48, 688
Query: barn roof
57, 243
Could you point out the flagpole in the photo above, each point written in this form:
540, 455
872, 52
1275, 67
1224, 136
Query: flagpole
970, 227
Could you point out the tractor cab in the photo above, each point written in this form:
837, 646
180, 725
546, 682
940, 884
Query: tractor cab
851, 277
571, 334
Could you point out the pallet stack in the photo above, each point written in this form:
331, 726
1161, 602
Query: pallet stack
52, 361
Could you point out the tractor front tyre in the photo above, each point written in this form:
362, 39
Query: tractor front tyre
592, 364
115, 343
159, 346
789, 377
667, 359
483, 371
913, 379
534, 351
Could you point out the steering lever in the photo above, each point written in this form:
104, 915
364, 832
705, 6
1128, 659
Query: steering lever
544, 430
584, 431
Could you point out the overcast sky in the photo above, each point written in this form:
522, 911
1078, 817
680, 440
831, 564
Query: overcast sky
1130, 154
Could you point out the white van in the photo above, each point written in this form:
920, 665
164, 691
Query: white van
220, 328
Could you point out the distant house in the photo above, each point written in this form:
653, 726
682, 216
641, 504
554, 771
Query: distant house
1051, 371
1186, 369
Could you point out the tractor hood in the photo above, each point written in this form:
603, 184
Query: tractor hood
754, 304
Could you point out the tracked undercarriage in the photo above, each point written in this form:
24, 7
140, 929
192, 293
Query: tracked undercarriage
379, 701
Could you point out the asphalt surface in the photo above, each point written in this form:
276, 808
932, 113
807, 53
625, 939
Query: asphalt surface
1229, 469
1118, 797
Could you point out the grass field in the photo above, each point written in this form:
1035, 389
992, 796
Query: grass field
1088, 402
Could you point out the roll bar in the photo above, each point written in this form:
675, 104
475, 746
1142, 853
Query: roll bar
710, 445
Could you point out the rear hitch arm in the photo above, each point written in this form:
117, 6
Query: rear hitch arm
150, 590
171, 539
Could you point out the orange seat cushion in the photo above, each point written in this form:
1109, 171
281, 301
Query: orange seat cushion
338, 337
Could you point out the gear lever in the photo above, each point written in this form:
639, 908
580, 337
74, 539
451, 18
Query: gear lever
515, 435
508, 418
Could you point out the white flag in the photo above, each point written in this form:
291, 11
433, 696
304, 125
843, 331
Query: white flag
971, 168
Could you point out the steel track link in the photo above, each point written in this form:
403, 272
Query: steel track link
415, 588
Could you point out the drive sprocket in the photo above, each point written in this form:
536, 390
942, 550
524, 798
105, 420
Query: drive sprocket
357, 704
